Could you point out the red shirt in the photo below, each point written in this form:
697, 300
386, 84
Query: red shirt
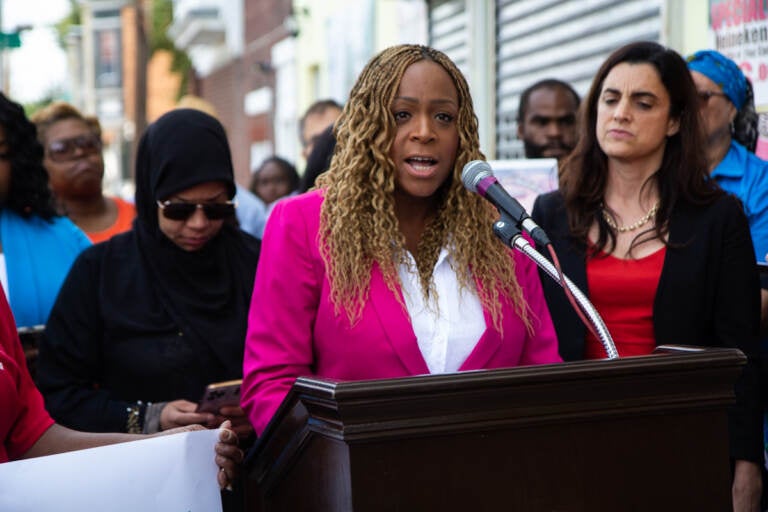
623, 292
23, 418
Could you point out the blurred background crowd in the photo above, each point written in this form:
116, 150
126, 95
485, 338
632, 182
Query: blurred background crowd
262, 63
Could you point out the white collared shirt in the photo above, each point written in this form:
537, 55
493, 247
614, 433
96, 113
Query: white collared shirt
448, 326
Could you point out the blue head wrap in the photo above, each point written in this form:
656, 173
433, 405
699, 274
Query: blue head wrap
723, 71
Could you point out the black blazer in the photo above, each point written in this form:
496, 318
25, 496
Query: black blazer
708, 294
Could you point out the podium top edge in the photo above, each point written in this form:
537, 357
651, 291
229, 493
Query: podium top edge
669, 358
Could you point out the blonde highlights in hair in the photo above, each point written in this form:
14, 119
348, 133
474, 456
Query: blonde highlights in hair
358, 225
61, 111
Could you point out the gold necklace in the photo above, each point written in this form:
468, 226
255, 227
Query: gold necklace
624, 229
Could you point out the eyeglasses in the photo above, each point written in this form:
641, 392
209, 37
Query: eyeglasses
705, 95
67, 149
183, 211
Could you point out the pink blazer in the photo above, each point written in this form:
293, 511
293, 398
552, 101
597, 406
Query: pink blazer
293, 329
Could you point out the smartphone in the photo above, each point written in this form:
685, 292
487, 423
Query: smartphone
220, 394
30, 341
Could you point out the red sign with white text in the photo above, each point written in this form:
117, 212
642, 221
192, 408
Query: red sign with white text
741, 33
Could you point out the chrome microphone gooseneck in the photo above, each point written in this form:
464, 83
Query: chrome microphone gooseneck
478, 177
511, 236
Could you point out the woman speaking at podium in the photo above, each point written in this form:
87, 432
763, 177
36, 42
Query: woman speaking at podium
391, 267
664, 253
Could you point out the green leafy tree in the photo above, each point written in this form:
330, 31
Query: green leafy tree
161, 17
70, 20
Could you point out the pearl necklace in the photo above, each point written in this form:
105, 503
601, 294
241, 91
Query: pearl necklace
624, 229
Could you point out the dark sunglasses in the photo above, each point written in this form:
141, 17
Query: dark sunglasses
71, 149
704, 96
183, 211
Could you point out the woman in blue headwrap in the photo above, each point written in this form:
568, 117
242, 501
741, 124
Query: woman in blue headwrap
726, 104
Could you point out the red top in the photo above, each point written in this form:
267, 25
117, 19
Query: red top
23, 418
623, 292
125, 215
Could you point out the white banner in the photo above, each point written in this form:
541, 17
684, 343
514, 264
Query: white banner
166, 473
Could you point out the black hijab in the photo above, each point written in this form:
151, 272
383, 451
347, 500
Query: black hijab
206, 292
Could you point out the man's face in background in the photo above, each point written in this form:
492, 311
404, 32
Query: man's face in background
548, 126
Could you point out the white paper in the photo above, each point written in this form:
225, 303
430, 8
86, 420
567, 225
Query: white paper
166, 473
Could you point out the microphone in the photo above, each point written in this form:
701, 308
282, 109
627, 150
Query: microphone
478, 177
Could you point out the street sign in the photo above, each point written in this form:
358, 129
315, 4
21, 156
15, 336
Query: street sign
10, 40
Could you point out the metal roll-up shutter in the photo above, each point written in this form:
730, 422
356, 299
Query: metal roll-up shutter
563, 39
448, 30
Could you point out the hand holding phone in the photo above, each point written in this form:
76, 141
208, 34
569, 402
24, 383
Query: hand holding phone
220, 394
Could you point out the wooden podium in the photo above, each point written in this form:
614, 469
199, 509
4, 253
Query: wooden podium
641, 433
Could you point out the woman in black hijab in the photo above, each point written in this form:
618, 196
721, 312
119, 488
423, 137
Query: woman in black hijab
147, 319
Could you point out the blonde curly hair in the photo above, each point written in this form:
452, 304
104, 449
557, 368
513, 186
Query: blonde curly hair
358, 226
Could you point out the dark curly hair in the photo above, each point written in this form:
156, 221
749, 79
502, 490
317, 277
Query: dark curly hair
28, 192
289, 171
